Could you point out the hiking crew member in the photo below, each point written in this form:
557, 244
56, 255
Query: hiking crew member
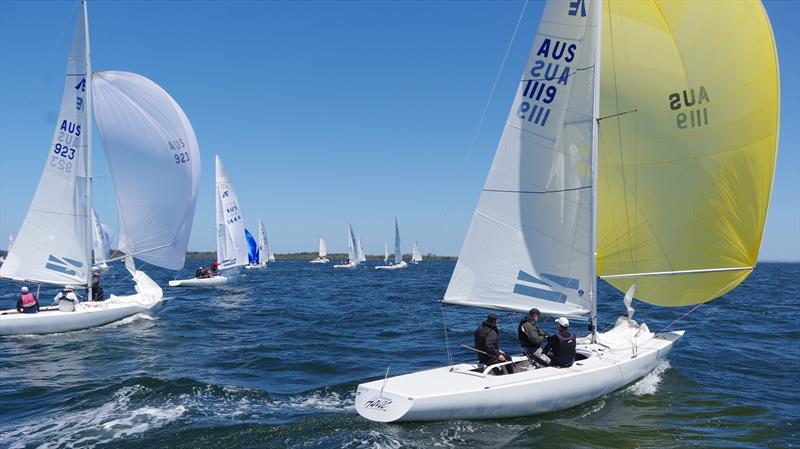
27, 302
487, 341
214, 266
529, 334
561, 346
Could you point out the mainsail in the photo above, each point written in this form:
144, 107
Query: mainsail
154, 159
231, 243
323, 248
263, 254
398, 254
53, 243
530, 240
685, 174
352, 254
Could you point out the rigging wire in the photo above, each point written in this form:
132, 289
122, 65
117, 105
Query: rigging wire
681, 317
476, 133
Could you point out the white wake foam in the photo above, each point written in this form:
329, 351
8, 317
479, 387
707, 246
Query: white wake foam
649, 384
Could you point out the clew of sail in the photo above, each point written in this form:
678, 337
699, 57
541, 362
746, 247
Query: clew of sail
529, 243
685, 180
231, 242
51, 245
154, 159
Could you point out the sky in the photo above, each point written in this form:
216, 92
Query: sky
323, 112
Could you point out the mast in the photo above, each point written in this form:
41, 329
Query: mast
598, 13
88, 151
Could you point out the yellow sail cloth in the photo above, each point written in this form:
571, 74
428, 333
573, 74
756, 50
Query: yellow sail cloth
685, 172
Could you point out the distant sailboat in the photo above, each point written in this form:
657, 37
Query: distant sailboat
323, 252
640, 148
352, 253
362, 257
257, 250
416, 255
398, 254
102, 239
385, 253
231, 239
155, 163
267, 246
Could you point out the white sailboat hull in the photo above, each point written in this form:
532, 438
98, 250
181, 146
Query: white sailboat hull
467, 391
347, 265
253, 267
199, 282
86, 315
318, 260
396, 266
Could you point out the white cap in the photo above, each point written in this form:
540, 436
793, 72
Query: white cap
24, 290
95, 269
69, 288
563, 322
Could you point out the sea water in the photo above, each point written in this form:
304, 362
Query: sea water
273, 360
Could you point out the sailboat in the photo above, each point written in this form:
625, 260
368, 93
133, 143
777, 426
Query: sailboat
268, 248
362, 257
101, 235
257, 255
416, 255
323, 252
231, 239
398, 254
640, 148
154, 160
352, 251
385, 253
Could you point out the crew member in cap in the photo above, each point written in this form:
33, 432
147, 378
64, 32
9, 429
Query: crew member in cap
529, 334
67, 299
97, 291
487, 342
27, 301
561, 346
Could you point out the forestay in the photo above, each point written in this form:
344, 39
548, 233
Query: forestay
684, 181
529, 243
52, 243
231, 244
155, 163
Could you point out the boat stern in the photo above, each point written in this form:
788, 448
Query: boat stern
377, 404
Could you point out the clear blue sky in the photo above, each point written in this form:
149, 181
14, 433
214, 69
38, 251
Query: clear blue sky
323, 112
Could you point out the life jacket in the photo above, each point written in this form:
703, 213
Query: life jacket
562, 350
28, 300
524, 339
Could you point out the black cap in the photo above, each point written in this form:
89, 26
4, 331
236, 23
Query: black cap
534, 311
491, 317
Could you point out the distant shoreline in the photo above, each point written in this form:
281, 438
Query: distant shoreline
313, 255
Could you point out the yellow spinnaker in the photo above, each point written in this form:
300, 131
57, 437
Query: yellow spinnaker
685, 172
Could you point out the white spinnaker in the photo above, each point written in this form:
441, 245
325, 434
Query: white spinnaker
352, 254
361, 256
102, 239
416, 255
398, 254
529, 243
262, 243
154, 159
231, 241
323, 248
52, 243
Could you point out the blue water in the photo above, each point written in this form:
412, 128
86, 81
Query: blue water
274, 360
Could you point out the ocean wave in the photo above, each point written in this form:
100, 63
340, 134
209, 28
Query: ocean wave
648, 385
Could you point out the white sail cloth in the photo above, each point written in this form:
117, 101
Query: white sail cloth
323, 248
416, 255
352, 251
53, 241
398, 254
262, 243
529, 243
155, 162
102, 239
231, 241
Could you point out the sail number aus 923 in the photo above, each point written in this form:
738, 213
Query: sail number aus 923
181, 158
64, 151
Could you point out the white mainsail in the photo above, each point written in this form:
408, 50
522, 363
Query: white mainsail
53, 243
530, 240
154, 159
385, 252
101, 238
231, 241
398, 254
323, 248
360, 249
262, 243
352, 253
416, 255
